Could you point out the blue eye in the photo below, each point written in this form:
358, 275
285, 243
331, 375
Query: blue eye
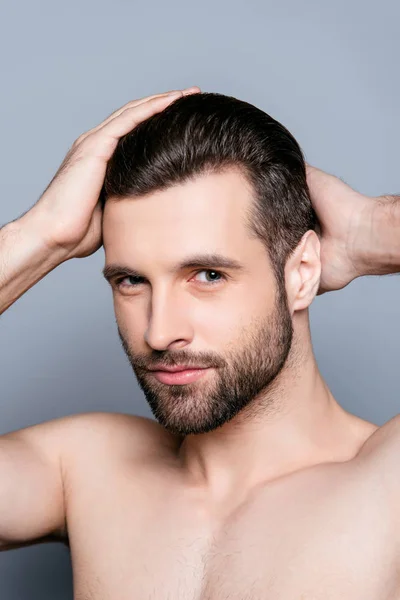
138, 280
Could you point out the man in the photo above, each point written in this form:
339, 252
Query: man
252, 482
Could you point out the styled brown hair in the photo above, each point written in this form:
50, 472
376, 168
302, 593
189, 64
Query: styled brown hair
209, 132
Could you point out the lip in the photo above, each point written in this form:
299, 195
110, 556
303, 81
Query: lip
179, 377
176, 368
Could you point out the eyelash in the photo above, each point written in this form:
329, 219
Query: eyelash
223, 276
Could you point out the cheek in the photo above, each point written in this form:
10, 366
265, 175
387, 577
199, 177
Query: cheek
128, 317
219, 325
120, 312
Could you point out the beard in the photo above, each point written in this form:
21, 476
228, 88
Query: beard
243, 385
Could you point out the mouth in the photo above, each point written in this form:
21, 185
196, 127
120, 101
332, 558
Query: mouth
176, 368
180, 377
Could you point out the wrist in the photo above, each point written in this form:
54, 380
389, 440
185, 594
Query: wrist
24, 259
29, 254
37, 229
377, 239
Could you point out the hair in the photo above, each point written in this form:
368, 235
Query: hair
207, 133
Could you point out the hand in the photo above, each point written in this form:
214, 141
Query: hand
340, 211
69, 210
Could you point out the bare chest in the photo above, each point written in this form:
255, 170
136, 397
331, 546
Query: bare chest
320, 535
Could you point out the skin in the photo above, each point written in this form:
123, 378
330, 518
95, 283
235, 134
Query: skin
233, 324
252, 481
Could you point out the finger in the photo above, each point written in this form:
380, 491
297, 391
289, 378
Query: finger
132, 103
131, 117
116, 113
193, 88
127, 121
137, 102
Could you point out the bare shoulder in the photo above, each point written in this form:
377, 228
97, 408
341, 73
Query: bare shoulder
380, 455
95, 446
117, 432
384, 440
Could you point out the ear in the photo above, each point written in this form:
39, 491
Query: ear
303, 272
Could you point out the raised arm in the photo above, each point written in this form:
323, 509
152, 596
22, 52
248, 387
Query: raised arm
359, 234
65, 223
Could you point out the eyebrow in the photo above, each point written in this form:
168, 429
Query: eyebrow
208, 261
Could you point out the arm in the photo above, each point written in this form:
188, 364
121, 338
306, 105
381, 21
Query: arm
65, 223
24, 259
359, 234
38, 465
31, 496
31, 473
379, 237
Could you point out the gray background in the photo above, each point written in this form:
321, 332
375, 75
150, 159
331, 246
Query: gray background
329, 71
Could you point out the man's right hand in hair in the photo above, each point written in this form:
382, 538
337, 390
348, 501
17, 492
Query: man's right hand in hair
69, 209
66, 221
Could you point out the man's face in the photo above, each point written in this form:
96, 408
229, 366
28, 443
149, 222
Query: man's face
234, 321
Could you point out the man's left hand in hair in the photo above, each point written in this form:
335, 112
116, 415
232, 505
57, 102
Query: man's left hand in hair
359, 234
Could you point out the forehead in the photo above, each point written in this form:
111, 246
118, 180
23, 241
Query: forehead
212, 203
201, 215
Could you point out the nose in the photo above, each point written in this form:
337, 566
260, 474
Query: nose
168, 323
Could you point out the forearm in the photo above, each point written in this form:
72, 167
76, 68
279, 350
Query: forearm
24, 258
378, 237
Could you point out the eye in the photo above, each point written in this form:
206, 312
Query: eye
138, 280
118, 282
213, 282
